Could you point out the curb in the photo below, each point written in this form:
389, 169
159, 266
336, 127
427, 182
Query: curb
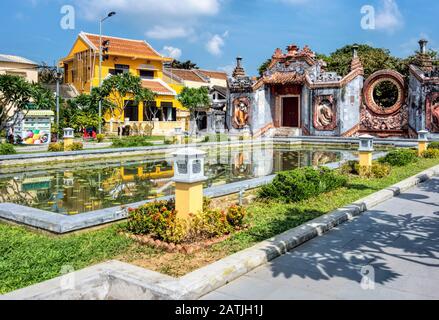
117, 280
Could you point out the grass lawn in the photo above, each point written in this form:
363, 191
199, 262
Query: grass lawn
28, 257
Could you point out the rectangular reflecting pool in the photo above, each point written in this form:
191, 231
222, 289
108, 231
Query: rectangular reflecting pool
76, 188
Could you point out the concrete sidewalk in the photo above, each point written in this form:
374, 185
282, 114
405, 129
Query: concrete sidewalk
397, 244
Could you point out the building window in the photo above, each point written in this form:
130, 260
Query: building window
150, 111
146, 74
119, 69
169, 112
132, 111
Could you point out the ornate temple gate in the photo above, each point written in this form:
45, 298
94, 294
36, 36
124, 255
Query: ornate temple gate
381, 120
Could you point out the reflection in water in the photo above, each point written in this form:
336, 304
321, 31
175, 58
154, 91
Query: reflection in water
77, 190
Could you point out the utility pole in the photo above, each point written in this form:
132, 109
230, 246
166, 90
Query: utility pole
58, 79
100, 65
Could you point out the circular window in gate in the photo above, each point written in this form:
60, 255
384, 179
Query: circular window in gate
385, 92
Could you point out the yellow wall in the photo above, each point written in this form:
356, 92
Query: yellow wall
134, 65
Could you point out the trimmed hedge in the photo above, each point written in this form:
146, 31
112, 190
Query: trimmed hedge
400, 157
132, 141
301, 184
433, 145
7, 148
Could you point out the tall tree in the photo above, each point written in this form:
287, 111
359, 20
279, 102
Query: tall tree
120, 89
16, 94
194, 100
373, 59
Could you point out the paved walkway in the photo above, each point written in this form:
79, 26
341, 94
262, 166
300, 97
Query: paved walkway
398, 241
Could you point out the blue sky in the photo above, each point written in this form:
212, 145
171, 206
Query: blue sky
213, 32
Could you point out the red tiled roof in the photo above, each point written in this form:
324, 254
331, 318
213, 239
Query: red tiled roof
137, 48
214, 74
156, 87
186, 75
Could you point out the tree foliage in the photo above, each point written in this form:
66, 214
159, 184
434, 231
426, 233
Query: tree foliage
373, 59
187, 65
194, 99
17, 94
118, 90
263, 67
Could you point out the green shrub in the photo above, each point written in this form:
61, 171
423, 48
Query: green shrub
431, 154
56, 147
301, 184
400, 157
433, 145
7, 148
75, 146
378, 170
100, 138
131, 142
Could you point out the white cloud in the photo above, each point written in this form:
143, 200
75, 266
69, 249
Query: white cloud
93, 9
161, 32
171, 52
388, 17
216, 43
162, 19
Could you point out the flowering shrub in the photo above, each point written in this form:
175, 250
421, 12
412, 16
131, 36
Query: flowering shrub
159, 220
236, 215
75, 146
56, 147
378, 170
432, 153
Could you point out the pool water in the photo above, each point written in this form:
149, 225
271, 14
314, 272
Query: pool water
76, 190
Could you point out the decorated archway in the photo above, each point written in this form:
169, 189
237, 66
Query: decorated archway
384, 112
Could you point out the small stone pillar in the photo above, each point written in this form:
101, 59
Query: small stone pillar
68, 137
366, 150
422, 142
179, 135
189, 178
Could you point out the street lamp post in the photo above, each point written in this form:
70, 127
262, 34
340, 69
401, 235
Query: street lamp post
100, 65
58, 80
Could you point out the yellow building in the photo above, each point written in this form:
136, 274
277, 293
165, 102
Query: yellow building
81, 68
